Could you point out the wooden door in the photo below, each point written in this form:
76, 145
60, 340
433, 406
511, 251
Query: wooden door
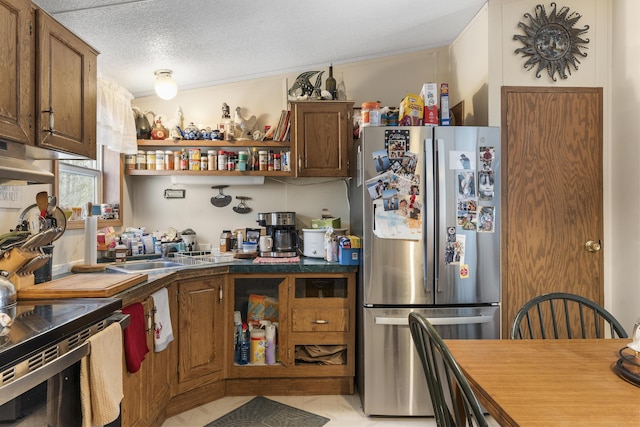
17, 70
67, 79
552, 194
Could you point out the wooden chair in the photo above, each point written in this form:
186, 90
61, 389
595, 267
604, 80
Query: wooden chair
444, 378
557, 316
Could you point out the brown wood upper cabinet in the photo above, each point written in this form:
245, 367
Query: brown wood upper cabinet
17, 68
48, 88
322, 134
67, 90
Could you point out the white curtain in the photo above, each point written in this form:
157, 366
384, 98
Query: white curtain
116, 128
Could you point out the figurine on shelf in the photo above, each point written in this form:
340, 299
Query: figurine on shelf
245, 125
159, 132
226, 111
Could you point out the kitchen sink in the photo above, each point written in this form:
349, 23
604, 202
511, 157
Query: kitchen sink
145, 266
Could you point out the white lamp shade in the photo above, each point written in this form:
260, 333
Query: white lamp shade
166, 88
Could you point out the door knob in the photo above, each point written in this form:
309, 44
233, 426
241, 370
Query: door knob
592, 245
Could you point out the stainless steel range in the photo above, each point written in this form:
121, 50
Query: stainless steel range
41, 349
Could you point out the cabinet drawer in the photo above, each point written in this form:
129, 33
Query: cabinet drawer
319, 320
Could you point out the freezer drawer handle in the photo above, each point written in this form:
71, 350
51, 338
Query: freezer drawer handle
404, 321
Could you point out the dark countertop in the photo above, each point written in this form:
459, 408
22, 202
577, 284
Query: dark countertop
163, 278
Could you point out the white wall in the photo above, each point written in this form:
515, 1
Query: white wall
469, 54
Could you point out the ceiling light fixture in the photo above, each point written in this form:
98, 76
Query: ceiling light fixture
166, 88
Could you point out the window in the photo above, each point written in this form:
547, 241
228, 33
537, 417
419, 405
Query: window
82, 181
79, 182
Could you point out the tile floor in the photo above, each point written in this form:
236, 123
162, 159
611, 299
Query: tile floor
343, 410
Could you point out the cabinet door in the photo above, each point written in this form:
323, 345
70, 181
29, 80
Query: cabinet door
322, 134
66, 116
17, 69
201, 332
163, 365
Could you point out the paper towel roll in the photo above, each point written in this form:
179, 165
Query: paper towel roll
90, 240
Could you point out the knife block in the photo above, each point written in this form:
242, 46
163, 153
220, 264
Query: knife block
21, 282
14, 259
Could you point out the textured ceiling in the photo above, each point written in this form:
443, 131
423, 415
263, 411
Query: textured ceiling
210, 42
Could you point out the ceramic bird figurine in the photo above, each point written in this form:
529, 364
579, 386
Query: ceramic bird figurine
245, 125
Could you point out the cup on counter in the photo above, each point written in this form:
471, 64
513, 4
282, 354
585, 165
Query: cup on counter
266, 243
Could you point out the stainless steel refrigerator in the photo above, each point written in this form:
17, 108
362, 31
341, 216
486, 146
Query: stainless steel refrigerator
426, 201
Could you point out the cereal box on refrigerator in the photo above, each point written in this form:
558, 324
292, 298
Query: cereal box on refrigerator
411, 111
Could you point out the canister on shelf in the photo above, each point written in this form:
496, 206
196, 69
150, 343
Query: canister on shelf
151, 160
222, 160
194, 159
270, 161
141, 160
231, 161
130, 161
212, 160
242, 160
263, 160
276, 162
176, 160
159, 160
184, 160
169, 160
204, 163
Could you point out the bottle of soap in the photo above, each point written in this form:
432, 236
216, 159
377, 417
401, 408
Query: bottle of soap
120, 251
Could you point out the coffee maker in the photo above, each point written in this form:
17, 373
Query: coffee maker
281, 226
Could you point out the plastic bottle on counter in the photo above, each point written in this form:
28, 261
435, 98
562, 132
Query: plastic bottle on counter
240, 241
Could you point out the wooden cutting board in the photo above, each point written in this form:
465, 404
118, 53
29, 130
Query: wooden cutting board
92, 285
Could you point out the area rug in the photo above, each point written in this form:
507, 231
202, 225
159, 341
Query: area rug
261, 412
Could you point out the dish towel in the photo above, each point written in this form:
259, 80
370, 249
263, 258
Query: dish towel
101, 378
135, 338
162, 330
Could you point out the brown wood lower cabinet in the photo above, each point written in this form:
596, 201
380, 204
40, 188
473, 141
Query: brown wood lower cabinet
316, 343
315, 333
148, 391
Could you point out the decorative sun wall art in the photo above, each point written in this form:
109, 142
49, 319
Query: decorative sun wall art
552, 42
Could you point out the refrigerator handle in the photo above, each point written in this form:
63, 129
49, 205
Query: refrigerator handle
441, 212
428, 232
463, 320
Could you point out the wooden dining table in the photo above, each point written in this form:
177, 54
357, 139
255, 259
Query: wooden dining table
549, 382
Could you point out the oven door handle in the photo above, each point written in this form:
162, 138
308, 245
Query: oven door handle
32, 379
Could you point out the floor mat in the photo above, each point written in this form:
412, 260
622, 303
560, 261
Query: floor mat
261, 411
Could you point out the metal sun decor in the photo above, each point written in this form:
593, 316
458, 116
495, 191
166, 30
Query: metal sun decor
552, 42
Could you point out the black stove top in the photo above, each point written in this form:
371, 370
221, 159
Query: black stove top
40, 323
